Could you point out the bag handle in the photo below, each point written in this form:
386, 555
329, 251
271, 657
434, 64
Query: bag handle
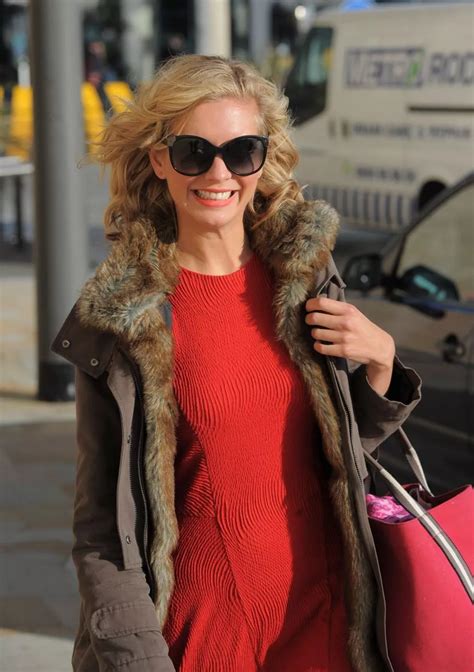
453, 555
413, 460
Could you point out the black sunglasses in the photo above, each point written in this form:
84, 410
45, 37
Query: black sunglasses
192, 155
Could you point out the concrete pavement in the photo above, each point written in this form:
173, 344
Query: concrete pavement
38, 587
38, 590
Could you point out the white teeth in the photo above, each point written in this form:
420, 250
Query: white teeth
214, 195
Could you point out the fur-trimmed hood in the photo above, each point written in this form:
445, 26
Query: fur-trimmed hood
125, 298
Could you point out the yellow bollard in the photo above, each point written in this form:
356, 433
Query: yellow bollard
21, 123
118, 94
94, 115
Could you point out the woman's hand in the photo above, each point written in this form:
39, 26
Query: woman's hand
341, 330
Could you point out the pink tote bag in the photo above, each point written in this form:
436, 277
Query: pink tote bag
426, 564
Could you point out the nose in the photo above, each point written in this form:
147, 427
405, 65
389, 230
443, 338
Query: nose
218, 170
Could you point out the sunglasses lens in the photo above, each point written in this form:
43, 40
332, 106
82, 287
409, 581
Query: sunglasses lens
244, 156
191, 156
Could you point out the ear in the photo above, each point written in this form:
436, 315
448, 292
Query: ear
157, 160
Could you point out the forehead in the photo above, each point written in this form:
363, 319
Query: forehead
222, 120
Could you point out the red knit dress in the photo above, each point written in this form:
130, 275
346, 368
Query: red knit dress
258, 566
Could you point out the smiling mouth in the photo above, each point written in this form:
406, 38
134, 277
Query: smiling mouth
214, 195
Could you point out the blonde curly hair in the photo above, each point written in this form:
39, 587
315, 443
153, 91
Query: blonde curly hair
161, 106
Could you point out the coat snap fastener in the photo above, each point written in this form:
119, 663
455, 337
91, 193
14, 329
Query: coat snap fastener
94, 362
66, 343
128, 540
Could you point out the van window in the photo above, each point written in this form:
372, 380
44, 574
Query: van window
307, 82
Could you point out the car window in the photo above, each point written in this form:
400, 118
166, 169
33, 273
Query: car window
443, 242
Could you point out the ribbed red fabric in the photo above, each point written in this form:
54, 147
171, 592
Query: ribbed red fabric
258, 573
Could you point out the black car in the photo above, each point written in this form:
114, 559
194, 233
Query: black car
420, 288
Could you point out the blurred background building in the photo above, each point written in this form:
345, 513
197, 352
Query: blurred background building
135, 35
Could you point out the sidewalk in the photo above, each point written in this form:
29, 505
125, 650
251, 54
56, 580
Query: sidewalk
39, 602
38, 588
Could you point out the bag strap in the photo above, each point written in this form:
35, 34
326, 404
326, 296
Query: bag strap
455, 558
413, 460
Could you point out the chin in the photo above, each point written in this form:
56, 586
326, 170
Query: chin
219, 219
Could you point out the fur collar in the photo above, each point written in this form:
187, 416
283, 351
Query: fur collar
128, 288
124, 298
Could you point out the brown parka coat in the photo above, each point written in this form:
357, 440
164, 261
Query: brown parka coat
118, 336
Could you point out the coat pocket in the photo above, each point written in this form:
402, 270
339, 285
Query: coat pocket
126, 637
124, 619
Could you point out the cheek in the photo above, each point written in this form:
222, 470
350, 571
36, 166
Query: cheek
250, 187
178, 187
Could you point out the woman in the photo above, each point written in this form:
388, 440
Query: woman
220, 515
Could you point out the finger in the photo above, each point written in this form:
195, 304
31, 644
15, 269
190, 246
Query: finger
324, 320
327, 335
326, 305
333, 350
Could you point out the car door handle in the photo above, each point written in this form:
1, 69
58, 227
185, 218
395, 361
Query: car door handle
452, 349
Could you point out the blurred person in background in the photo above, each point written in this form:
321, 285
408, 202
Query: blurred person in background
8, 75
220, 519
98, 70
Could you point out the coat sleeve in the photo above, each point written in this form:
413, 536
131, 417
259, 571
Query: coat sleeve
120, 630
380, 416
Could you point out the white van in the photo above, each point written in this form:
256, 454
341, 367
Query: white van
384, 106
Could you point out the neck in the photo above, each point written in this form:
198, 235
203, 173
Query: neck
213, 254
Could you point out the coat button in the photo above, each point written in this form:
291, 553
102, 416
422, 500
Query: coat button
128, 540
94, 362
66, 343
